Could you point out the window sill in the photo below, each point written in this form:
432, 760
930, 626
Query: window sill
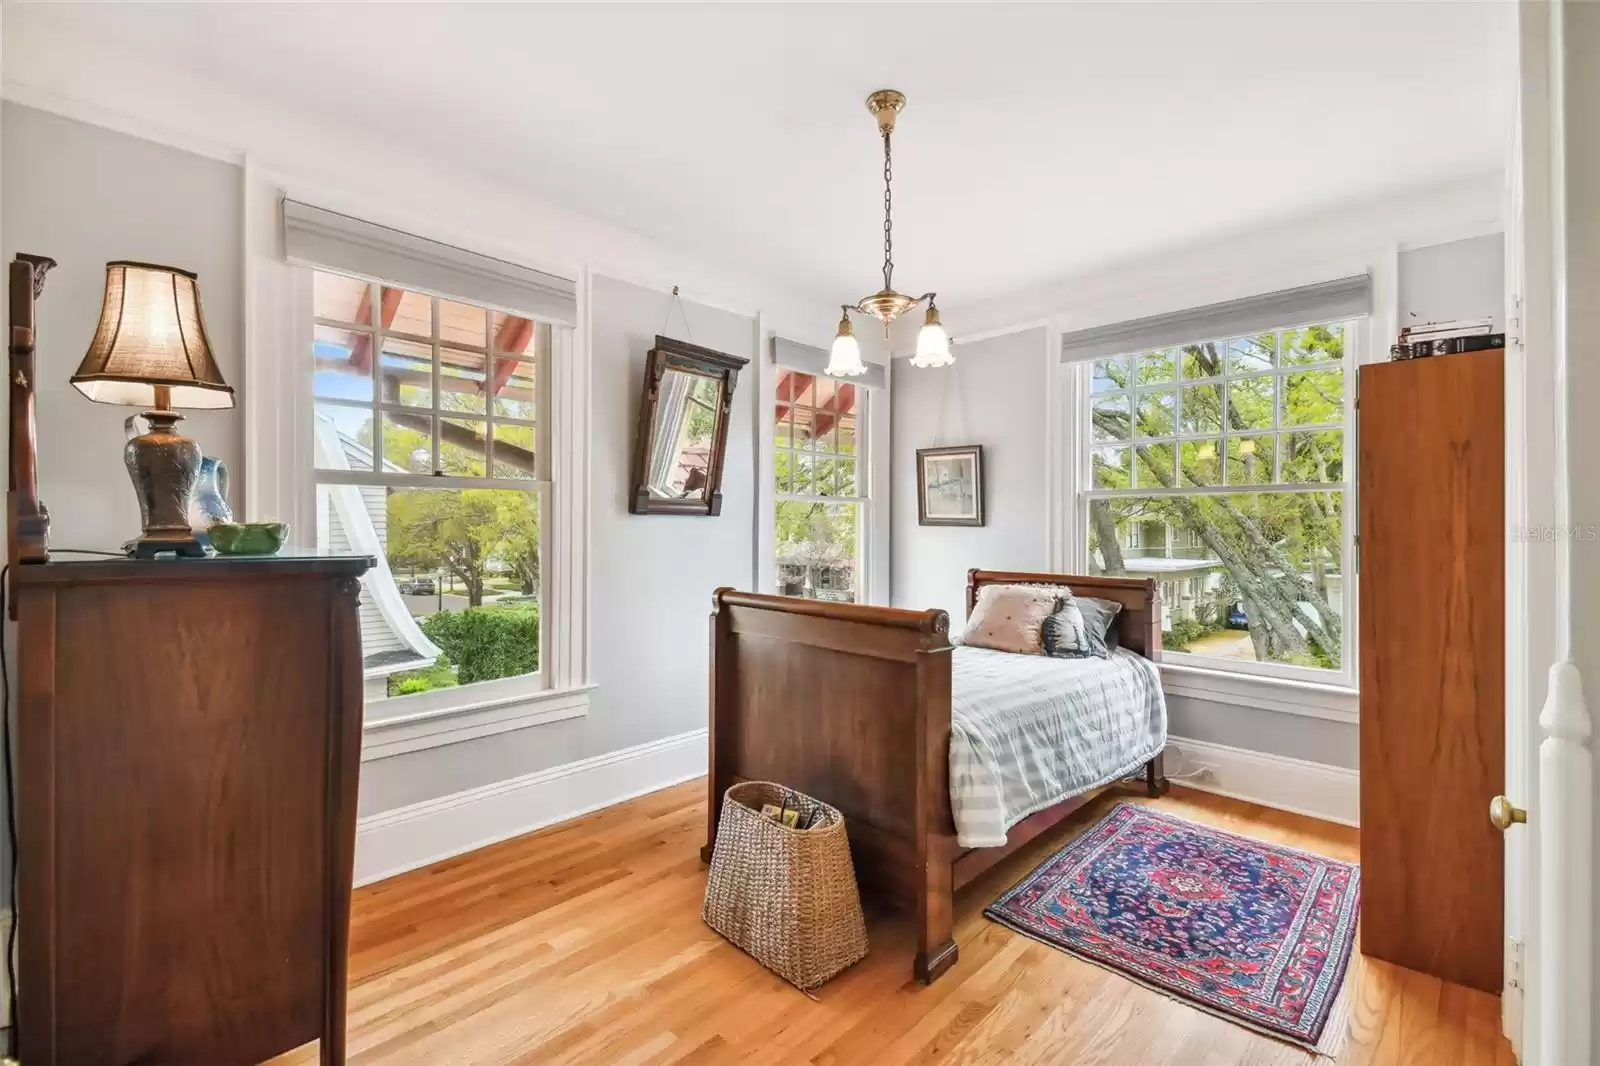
1334, 703
437, 727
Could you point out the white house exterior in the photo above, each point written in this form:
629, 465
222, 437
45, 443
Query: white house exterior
354, 518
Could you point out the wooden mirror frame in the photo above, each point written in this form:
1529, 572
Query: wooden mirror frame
669, 354
27, 518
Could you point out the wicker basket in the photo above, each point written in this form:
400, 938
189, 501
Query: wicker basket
786, 896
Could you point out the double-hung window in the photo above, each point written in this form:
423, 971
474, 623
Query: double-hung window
428, 456
431, 426
1223, 469
822, 506
820, 487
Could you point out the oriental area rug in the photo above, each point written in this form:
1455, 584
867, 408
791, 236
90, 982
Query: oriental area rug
1252, 932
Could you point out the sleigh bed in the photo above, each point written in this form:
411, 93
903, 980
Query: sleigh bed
853, 704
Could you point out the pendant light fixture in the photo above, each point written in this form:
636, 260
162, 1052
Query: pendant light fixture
886, 305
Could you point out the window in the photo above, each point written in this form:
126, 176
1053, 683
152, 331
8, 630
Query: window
820, 488
429, 422
1219, 469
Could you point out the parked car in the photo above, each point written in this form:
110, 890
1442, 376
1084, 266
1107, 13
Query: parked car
1236, 616
418, 586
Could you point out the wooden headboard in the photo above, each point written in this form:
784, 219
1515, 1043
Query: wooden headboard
1138, 623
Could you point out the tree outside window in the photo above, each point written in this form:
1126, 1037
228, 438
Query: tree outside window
411, 387
1257, 573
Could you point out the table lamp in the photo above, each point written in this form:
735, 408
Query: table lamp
151, 350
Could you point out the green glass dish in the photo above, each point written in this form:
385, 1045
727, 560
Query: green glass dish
251, 538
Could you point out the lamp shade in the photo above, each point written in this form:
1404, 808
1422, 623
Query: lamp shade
933, 343
844, 358
151, 335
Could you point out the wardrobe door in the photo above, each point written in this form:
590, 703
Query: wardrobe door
1432, 573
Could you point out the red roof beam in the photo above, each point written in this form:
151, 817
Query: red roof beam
511, 339
361, 350
839, 404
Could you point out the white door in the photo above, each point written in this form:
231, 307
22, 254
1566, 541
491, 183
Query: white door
1553, 237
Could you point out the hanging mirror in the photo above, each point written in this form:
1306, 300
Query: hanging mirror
683, 429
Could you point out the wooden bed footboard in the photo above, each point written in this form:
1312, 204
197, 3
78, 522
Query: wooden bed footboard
851, 704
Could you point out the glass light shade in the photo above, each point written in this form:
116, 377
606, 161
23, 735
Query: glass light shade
933, 343
844, 358
151, 334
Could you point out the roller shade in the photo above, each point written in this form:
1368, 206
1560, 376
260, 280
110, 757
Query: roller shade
810, 360
1328, 301
314, 236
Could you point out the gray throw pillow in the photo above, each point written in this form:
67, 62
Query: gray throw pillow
1066, 634
1098, 616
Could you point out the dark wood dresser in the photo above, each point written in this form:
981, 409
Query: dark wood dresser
189, 738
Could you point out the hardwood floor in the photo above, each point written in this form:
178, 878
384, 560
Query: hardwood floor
583, 944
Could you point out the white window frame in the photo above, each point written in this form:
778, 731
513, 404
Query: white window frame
1081, 448
863, 497
872, 473
280, 483
545, 333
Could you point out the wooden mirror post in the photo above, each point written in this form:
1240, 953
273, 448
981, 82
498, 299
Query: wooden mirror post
27, 519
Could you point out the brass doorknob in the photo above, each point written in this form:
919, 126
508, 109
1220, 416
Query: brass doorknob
1505, 814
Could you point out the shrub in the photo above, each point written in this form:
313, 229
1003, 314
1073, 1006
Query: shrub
500, 640
440, 675
1184, 632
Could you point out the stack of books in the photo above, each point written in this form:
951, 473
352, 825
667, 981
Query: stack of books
1447, 338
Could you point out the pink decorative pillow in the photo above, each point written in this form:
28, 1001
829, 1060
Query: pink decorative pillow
1011, 618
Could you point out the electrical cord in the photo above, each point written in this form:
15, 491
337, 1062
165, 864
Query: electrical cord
11, 827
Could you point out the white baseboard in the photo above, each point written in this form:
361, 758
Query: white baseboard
406, 838
1332, 793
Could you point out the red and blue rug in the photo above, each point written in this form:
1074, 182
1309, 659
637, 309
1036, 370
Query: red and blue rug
1253, 932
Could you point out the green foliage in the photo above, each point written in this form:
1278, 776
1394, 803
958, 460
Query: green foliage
501, 640
439, 675
460, 531
1184, 632
1276, 550
814, 532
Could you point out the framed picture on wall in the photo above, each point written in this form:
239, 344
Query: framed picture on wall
950, 486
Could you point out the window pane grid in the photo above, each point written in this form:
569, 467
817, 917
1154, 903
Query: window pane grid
819, 485
1222, 392
474, 371
409, 387
1219, 470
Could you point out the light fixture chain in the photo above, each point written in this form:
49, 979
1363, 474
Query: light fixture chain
888, 215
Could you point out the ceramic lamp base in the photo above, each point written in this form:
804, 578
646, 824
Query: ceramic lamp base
164, 467
148, 547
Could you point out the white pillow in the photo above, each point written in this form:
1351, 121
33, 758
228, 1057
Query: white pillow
1011, 618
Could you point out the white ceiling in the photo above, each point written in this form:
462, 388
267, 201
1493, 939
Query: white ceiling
1039, 141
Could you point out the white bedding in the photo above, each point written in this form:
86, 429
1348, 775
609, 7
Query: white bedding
1028, 731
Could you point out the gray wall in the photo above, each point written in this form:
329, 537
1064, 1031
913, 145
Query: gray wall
994, 395
1462, 279
84, 195
651, 575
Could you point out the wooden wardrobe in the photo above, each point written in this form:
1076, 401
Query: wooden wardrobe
1432, 571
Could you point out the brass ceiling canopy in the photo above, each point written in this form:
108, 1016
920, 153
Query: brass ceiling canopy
886, 305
